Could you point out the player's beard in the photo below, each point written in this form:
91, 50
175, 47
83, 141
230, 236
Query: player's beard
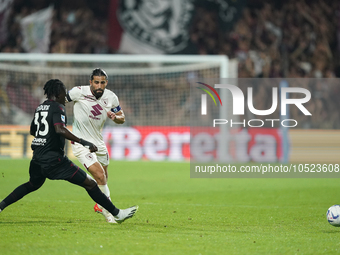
98, 93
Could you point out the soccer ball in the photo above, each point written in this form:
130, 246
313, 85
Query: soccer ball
333, 215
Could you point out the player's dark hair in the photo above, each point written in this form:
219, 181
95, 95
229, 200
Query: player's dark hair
53, 88
98, 72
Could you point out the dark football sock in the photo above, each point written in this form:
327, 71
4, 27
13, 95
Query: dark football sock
17, 194
99, 197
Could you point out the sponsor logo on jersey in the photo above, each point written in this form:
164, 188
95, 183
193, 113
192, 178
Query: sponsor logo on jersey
96, 110
89, 156
63, 118
39, 141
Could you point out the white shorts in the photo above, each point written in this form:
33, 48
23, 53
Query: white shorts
86, 158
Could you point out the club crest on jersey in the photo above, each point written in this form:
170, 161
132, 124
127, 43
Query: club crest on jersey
89, 156
105, 101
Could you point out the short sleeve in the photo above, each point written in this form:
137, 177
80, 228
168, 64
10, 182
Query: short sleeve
74, 94
59, 116
115, 104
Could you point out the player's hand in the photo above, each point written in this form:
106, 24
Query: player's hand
93, 148
88, 145
111, 115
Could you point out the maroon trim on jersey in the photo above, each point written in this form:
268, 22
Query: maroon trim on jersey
91, 97
59, 124
85, 166
72, 142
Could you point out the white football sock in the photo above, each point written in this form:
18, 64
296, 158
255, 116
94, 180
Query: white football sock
120, 214
105, 190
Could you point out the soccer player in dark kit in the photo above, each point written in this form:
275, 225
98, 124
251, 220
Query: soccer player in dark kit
49, 161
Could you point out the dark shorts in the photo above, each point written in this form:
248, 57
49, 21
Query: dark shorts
57, 169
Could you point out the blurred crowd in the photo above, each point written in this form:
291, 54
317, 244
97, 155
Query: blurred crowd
272, 39
277, 38
282, 39
79, 26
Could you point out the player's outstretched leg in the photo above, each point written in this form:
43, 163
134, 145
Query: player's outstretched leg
100, 209
35, 182
19, 193
99, 197
125, 214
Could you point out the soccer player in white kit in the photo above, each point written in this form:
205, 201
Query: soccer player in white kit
93, 104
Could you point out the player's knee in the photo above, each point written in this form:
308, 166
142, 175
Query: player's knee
92, 183
33, 186
98, 173
100, 177
89, 183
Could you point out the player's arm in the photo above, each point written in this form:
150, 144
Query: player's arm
59, 123
73, 94
63, 131
118, 117
33, 128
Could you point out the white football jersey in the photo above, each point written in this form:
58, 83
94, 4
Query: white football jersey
90, 113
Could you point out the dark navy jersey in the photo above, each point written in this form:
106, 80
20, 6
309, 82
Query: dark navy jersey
47, 144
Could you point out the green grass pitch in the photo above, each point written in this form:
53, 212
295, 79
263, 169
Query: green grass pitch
177, 215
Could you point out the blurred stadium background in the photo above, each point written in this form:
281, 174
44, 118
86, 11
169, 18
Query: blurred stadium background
261, 39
